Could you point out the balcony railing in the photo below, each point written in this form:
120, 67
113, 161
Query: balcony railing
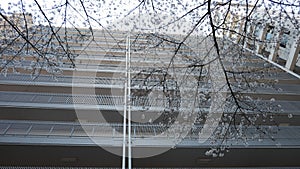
36, 132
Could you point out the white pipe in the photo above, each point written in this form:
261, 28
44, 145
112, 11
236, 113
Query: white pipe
125, 114
129, 106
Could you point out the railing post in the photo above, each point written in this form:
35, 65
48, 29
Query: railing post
7, 128
72, 131
51, 129
29, 129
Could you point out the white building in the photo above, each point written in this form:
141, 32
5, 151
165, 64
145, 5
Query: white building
271, 35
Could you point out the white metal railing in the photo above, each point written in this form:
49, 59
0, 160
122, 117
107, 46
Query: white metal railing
286, 135
110, 102
72, 129
55, 98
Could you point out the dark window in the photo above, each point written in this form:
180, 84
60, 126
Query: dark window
284, 39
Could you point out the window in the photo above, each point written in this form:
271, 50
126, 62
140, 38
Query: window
269, 34
284, 39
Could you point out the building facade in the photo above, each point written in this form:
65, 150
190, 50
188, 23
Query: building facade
61, 115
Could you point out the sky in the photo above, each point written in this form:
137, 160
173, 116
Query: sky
122, 14
114, 13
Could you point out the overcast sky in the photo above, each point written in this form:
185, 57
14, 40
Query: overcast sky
112, 12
